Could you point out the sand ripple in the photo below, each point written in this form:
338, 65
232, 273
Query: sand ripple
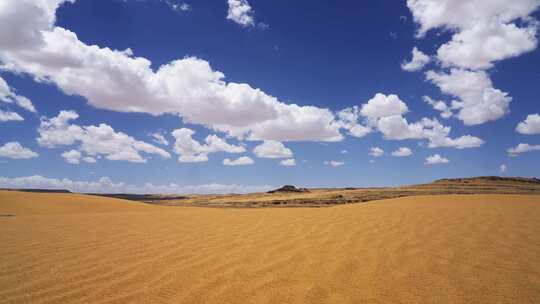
438, 249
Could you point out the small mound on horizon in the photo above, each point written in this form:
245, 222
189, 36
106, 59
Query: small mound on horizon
289, 189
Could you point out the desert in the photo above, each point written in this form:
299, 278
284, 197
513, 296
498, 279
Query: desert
269, 152
453, 248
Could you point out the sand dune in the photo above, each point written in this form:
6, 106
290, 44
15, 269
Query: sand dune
431, 249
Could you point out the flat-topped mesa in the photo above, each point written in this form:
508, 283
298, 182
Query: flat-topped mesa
288, 189
532, 180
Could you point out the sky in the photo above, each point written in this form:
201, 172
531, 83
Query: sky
219, 96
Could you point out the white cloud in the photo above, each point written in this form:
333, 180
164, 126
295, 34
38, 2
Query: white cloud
384, 113
383, 106
272, 149
454, 14
531, 125
120, 81
503, 168
58, 131
522, 148
105, 185
72, 157
478, 101
359, 131
440, 106
89, 159
8, 95
94, 140
160, 139
14, 150
9, 116
191, 151
484, 31
376, 152
479, 46
436, 159
334, 163
290, 162
344, 152
418, 61
241, 161
402, 152
294, 123
241, 13
348, 118
397, 128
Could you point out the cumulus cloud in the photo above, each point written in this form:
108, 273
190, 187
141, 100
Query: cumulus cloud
384, 113
479, 46
439, 105
118, 80
290, 162
344, 152
484, 31
531, 125
74, 157
241, 13
376, 152
334, 163
241, 161
14, 150
8, 95
9, 116
402, 152
522, 148
272, 149
192, 151
398, 128
418, 61
436, 159
101, 140
478, 102
503, 168
105, 185
383, 106
348, 119
159, 138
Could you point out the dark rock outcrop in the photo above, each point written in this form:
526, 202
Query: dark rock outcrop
289, 189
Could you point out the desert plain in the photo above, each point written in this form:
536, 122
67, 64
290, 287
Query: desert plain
428, 248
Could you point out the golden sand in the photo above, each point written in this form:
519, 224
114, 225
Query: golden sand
62, 248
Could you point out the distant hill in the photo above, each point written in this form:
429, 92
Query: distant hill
142, 197
490, 179
38, 190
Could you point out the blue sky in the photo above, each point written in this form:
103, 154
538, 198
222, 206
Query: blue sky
251, 95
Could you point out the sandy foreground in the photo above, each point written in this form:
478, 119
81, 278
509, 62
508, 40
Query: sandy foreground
66, 248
